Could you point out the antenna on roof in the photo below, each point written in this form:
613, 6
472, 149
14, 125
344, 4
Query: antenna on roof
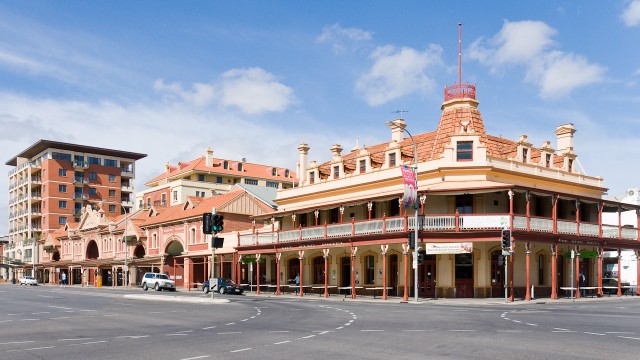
400, 113
459, 53
357, 144
244, 159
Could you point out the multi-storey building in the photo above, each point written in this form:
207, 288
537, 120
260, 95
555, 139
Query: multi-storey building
52, 182
5, 266
346, 227
207, 176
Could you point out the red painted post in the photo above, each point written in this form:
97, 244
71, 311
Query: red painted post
353, 276
528, 212
619, 273
577, 273
457, 221
600, 255
405, 247
554, 272
326, 274
301, 278
384, 274
278, 255
257, 274
527, 293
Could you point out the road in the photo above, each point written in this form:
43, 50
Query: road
77, 323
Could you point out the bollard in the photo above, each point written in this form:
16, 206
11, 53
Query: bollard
532, 293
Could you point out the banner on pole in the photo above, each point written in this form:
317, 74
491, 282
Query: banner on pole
410, 195
448, 248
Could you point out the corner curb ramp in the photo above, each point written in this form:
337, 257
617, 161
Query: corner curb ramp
180, 299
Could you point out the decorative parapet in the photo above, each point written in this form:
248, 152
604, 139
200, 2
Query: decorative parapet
459, 91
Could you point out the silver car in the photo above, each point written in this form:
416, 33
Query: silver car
157, 281
28, 280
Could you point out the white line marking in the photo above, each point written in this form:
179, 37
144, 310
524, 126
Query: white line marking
627, 337
532, 324
244, 320
16, 314
60, 307
88, 310
340, 327
590, 333
60, 317
30, 349
462, 330
1, 321
282, 342
510, 331
417, 330
351, 321
323, 332
46, 296
89, 343
184, 331
17, 342
229, 332
560, 329
209, 327
230, 324
371, 330
78, 339
41, 312
155, 312
517, 321
564, 331
28, 319
307, 337
245, 349
278, 331
110, 314
131, 336
619, 332
197, 357
253, 317
176, 334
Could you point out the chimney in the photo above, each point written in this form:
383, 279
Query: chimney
209, 157
397, 129
303, 149
336, 150
167, 168
564, 135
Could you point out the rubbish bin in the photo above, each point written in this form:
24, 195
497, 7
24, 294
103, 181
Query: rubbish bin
99, 281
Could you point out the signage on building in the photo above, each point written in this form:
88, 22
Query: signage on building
410, 195
584, 254
448, 248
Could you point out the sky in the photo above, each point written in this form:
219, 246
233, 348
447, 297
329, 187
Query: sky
254, 79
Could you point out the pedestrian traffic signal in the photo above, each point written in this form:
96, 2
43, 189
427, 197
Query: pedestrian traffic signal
218, 223
506, 240
422, 254
412, 240
207, 223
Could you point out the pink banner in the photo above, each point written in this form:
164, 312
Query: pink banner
410, 186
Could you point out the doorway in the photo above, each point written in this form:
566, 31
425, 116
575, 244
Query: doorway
393, 272
345, 271
427, 277
464, 275
497, 274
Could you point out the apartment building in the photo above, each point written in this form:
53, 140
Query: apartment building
52, 182
207, 176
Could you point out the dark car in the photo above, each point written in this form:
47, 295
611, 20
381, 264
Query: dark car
223, 286
610, 286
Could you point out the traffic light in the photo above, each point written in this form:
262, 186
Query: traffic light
412, 240
506, 240
218, 223
207, 223
421, 255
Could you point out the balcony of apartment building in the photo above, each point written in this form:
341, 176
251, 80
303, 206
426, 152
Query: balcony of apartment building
80, 180
80, 196
80, 165
36, 196
126, 170
36, 180
539, 216
36, 211
126, 202
126, 187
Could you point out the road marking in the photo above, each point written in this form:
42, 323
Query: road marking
61, 317
517, 321
131, 336
307, 337
371, 330
197, 357
78, 339
60, 307
30, 349
460, 310
282, 342
253, 317
323, 332
244, 320
176, 334
627, 337
532, 324
563, 331
416, 330
230, 324
17, 342
209, 327
229, 332
619, 332
278, 331
155, 312
28, 319
88, 310
110, 314
245, 349
340, 327
560, 329
462, 330
1, 321
510, 331
89, 343
184, 331
46, 296
350, 321
590, 333
41, 312
16, 314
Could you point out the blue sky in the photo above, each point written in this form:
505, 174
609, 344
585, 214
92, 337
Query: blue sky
254, 79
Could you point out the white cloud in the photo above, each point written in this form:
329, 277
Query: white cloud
398, 72
253, 91
631, 15
340, 37
530, 44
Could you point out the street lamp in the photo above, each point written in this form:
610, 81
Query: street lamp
126, 250
415, 207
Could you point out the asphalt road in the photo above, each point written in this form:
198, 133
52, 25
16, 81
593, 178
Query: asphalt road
75, 323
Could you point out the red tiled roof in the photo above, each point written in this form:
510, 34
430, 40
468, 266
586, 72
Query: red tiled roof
248, 170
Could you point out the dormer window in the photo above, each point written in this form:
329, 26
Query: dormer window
239, 166
274, 172
312, 177
336, 172
570, 163
363, 166
525, 153
464, 151
392, 159
286, 173
548, 160
225, 165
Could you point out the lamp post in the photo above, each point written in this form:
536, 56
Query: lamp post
126, 248
415, 207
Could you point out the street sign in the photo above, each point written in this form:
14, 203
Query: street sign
506, 253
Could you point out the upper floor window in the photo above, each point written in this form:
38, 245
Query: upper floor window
200, 177
93, 176
192, 237
61, 156
110, 162
273, 184
363, 166
164, 198
112, 178
62, 188
525, 154
93, 191
62, 220
95, 160
251, 181
62, 172
225, 165
274, 172
154, 241
112, 193
312, 177
148, 202
219, 180
62, 204
548, 160
570, 165
175, 195
239, 166
286, 173
336, 172
464, 151
112, 208
392, 159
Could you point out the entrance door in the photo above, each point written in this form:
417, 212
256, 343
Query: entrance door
560, 275
393, 272
497, 274
464, 275
345, 271
427, 277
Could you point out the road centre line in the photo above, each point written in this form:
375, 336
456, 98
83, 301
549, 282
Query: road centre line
17, 342
282, 342
231, 323
229, 332
532, 324
197, 357
239, 350
78, 339
60, 307
184, 331
417, 330
60, 317
372, 330
89, 343
29, 319
462, 330
16, 314
307, 337
176, 334
1, 321
41, 312
628, 337
209, 327
131, 336
278, 331
590, 333
31, 349
619, 332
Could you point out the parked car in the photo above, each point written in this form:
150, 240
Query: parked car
610, 286
28, 280
157, 282
223, 286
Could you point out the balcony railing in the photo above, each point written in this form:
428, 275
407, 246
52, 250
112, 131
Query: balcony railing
80, 164
436, 223
126, 172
